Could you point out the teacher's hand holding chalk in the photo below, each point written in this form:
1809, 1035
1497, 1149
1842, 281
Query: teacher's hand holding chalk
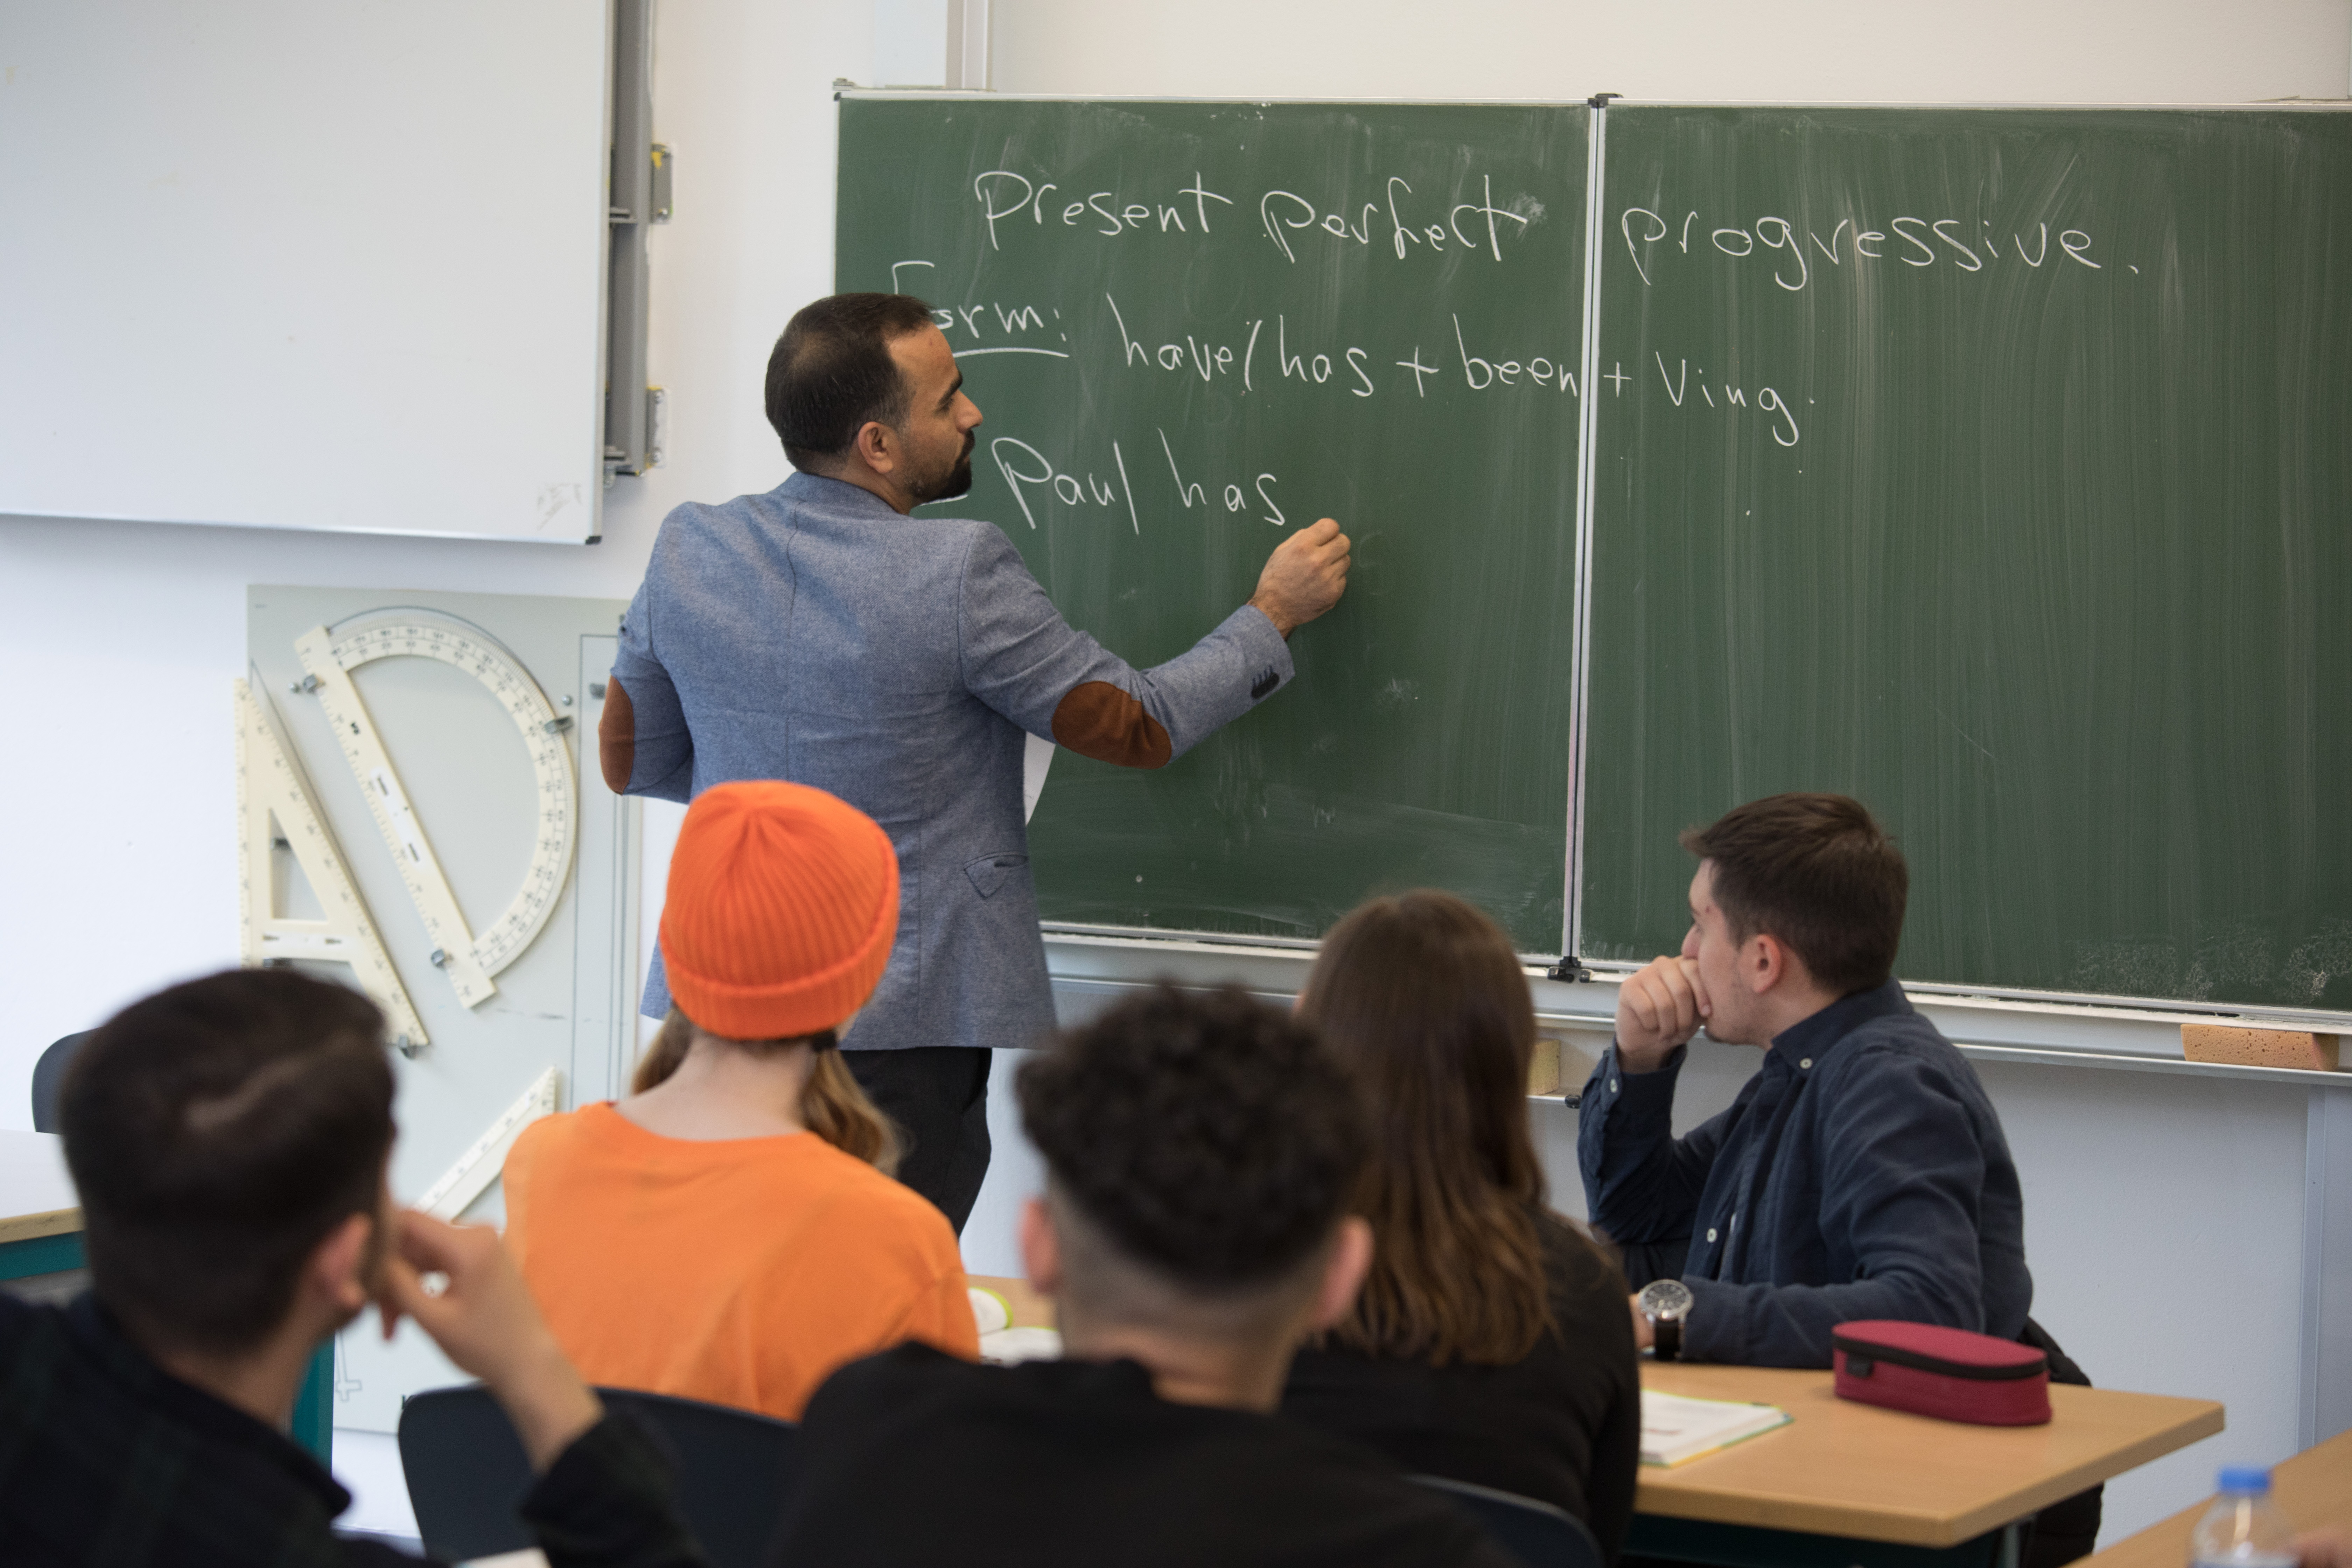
1304, 578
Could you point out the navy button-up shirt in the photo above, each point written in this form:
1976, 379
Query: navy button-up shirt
1860, 1173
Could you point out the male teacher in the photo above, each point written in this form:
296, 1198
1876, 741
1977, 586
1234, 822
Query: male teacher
820, 634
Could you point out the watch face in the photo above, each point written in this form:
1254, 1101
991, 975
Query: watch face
1666, 1299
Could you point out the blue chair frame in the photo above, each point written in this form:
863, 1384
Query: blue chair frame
467, 1476
48, 1073
1540, 1534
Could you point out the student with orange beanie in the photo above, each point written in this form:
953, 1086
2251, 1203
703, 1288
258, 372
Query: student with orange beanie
730, 1231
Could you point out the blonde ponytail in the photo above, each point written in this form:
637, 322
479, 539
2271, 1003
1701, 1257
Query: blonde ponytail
836, 1109
832, 1106
668, 1053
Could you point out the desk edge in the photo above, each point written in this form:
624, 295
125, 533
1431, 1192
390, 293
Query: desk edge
33, 1227
1902, 1528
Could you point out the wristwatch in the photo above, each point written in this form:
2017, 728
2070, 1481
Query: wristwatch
1665, 1303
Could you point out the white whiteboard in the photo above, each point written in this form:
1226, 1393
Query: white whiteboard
329, 264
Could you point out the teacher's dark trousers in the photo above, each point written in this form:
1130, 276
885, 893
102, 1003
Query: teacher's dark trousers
938, 1095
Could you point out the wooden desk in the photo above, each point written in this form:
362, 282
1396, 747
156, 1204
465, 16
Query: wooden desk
1849, 1484
40, 1217
1030, 1310
1872, 1475
40, 1233
2314, 1490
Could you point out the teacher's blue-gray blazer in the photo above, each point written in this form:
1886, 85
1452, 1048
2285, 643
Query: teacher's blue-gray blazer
814, 633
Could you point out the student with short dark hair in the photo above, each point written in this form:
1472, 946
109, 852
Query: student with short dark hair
228, 1138
1489, 1342
1201, 1154
1862, 1172
820, 634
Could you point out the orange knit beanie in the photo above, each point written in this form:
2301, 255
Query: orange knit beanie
784, 902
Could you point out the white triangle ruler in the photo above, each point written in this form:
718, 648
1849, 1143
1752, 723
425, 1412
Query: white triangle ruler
273, 801
480, 1165
330, 656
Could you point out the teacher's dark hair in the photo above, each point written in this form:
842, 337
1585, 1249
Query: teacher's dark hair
217, 1131
1819, 873
832, 373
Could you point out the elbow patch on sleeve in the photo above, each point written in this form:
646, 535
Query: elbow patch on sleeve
617, 737
1098, 720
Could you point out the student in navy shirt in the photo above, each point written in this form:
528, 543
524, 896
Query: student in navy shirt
1862, 1172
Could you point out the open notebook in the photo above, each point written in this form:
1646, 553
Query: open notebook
1675, 1430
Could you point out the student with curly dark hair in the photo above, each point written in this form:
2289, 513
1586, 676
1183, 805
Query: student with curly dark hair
1490, 1342
1201, 1153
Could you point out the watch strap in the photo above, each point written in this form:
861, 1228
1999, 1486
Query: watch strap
1666, 1338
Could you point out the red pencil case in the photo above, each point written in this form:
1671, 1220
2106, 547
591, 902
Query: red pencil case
1950, 1374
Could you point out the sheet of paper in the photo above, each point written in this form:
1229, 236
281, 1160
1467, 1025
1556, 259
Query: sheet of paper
1675, 1429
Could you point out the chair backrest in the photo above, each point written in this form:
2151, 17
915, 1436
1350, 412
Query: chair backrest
1540, 1534
48, 1073
467, 1476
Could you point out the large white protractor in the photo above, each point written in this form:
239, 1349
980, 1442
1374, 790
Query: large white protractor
330, 654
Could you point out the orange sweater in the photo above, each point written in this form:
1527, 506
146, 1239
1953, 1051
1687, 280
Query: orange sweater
741, 1272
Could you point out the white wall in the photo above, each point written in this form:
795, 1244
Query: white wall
2157, 1209
2069, 51
117, 798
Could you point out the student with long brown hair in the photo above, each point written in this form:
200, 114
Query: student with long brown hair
730, 1232
1490, 1342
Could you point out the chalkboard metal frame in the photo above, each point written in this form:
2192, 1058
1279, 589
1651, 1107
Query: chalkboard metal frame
1572, 961
2073, 1004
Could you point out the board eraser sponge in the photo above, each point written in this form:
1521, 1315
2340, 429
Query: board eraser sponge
2259, 1047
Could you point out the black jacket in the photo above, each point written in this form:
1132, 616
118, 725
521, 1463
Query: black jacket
1563, 1424
105, 1458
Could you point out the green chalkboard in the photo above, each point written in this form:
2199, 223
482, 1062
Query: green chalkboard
2033, 530
1193, 327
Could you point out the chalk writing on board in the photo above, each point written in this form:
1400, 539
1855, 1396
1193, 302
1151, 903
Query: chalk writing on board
1256, 352
1469, 219
1284, 213
1005, 196
1113, 488
1679, 388
1920, 242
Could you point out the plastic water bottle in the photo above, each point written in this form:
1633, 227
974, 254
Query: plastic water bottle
2244, 1529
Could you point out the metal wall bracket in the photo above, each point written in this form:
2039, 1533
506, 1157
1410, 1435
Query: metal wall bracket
664, 166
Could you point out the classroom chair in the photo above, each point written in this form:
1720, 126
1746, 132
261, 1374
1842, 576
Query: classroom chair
2068, 1528
48, 1074
466, 1473
1540, 1534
